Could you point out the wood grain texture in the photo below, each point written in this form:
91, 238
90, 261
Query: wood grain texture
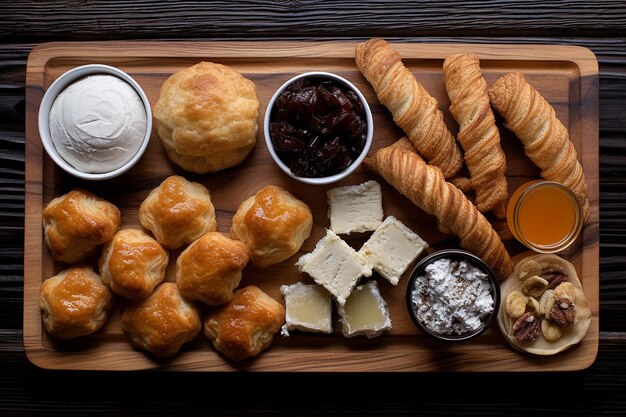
78, 20
567, 76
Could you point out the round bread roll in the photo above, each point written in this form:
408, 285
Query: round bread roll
209, 270
163, 322
74, 302
568, 336
132, 264
206, 117
76, 223
273, 224
246, 325
178, 212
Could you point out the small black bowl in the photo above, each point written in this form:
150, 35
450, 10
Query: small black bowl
456, 254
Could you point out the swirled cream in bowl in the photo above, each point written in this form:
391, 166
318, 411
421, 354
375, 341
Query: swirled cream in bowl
95, 122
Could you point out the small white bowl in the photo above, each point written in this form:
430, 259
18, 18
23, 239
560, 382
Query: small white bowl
368, 119
57, 87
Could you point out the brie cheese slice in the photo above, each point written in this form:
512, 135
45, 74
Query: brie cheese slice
307, 308
355, 208
365, 312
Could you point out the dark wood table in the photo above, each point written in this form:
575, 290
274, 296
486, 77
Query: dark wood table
599, 390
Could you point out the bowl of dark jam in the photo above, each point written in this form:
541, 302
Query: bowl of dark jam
318, 127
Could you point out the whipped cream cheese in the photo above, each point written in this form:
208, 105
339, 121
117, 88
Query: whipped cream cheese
97, 124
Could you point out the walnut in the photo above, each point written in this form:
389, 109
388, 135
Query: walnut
515, 304
563, 312
554, 274
551, 331
526, 328
534, 286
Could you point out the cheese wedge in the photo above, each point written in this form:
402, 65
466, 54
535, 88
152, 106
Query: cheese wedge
308, 308
355, 208
335, 265
365, 313
391, 249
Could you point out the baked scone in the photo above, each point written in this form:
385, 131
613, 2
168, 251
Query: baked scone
132, 264
163, 322
209, 270
273, 224
76, 223
246, 325
178, 212
206, 117
74, 302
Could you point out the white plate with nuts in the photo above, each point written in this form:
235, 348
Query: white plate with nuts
544, 310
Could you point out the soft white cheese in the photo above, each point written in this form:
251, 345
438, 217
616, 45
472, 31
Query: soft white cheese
355, 208
335, 265
365, 312
391, 249
97, 124
307, 308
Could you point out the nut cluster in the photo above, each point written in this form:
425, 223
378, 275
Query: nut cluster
545, 303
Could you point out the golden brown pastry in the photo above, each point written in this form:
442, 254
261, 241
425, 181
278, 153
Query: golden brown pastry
478, 133
163, 322
563, 317
206, 117
209, 270
426, 187
273, 224
545, 139
246, 325
178, 212
76, 223
74, 302
132, 264
412, 108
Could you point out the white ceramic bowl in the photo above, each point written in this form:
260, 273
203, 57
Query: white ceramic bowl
59, 85
368, 142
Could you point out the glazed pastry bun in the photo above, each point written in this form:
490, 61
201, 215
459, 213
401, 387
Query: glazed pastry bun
74, 302
76, 223
209, 270
246, 325
206, 117
273, 224
178, 212
163, 322
132, 264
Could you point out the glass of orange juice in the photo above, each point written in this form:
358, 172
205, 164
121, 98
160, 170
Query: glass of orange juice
545, 216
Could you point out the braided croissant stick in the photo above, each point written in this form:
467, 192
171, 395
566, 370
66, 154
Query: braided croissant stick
545, 139
426, 187
412, 108
478, 133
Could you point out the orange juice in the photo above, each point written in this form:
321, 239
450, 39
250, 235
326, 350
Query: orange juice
545, 216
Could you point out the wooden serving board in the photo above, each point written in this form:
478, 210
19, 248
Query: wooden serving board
566, 76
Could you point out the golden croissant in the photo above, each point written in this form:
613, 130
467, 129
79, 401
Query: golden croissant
478, 133
545, 139
412, 108
426, 187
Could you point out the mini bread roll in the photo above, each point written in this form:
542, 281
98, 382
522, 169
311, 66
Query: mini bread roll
163, 322
132, 264
209, 270
246, 325
273, 224
206, 117
74, 303
76, 223
178, 212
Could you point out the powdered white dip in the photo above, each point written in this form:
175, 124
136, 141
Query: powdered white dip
98, 123
452, 297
